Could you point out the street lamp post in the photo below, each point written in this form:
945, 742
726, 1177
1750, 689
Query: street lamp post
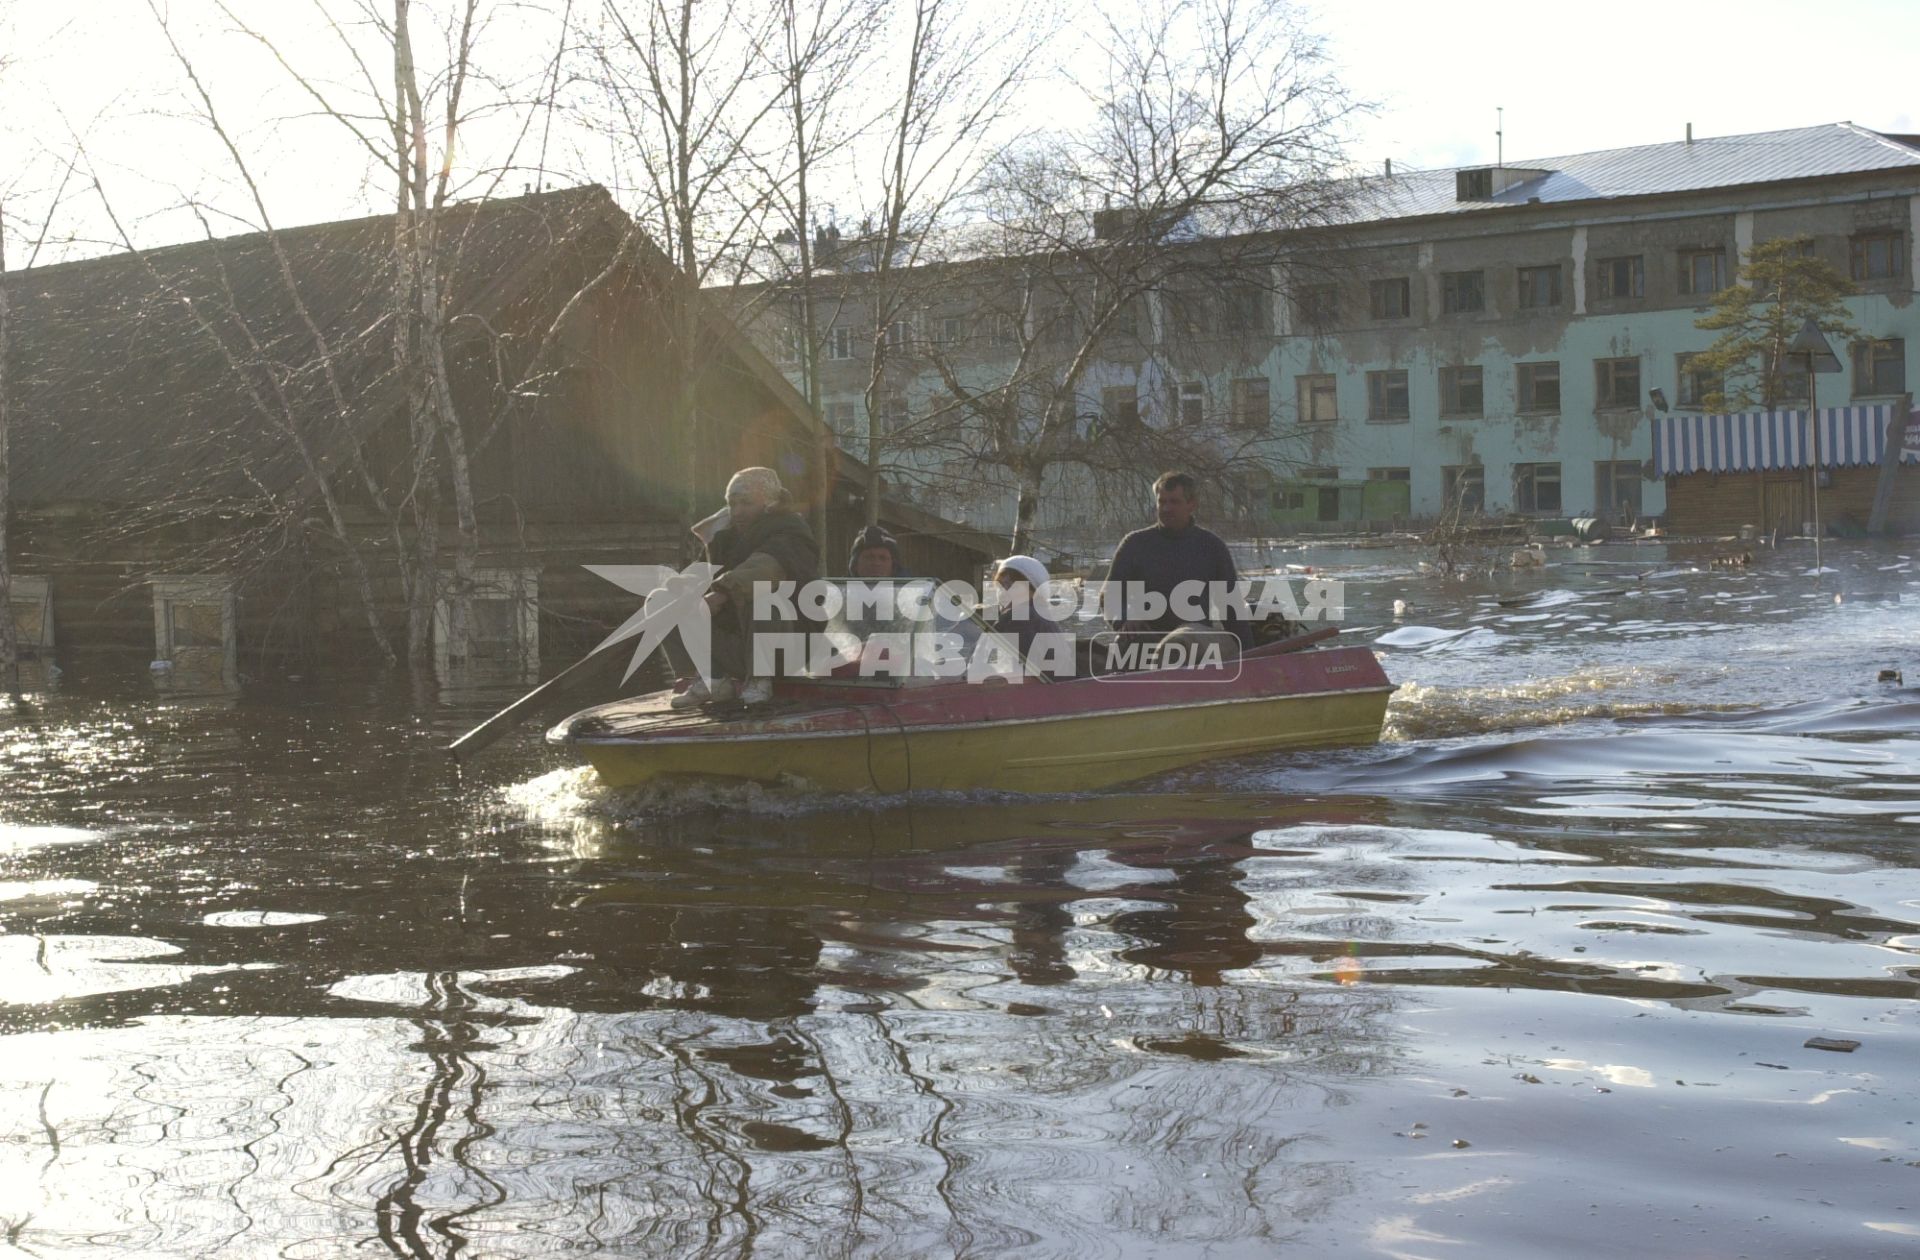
1811, 342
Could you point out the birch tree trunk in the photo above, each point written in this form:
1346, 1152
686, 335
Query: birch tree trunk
9, 649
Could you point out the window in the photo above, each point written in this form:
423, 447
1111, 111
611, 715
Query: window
1120, 406
1460, 391
1879, 367
1624, 277
1391, 299
1126, 319
1192, 402
1616, 382
899, 334
1464, 486
1875, 255
1004, 329
1290, 500
32, 608
1389, 474
1536, 488
1697, 384
840, 417
953, 330
1316, 306
1463, 292
1244, 309
1252, 403
1188, 315
1473, 185
1387, 396
893, 413
1056, 326
1539, 387
1616, 488
1703, 271
1319, 400
786, 345
1539, 287
840, 343
503, 622
193, 627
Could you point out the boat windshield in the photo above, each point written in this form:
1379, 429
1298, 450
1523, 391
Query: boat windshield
904, 632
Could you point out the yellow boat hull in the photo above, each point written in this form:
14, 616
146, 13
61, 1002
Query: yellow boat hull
1065, 753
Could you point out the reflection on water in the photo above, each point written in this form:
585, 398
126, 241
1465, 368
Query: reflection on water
1533, 978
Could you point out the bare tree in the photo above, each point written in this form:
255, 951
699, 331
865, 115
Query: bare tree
1214, 131
687, 94
949, 104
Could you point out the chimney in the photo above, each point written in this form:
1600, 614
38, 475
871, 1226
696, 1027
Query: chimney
1689, 133
1389, 168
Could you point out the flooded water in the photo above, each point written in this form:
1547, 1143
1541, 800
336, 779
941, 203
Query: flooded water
1534, 977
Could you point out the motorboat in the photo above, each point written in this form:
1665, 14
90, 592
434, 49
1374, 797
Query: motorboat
848, 727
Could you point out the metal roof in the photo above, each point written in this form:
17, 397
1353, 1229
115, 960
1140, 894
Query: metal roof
1649, 169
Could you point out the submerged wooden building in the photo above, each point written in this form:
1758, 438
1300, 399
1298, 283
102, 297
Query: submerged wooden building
211, 442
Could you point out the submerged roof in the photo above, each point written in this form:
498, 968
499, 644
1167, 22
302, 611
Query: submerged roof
1646, 170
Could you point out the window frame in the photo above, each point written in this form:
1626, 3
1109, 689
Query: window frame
1687, 380
1608, 476
1864, 353
1249, 408
1526, 290
1128, 399
1450, 477
1316, 306
1379, 293
1526, 378
1688, 257
1530, 477
1451, 292
1637, 277
1308, 388
1190, 392
1859, 255
1607, 374
1380, 390
1450, 383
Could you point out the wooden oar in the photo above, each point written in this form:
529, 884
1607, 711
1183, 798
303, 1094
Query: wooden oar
564, 683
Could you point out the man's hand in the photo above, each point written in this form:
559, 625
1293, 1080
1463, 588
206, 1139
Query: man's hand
716, 600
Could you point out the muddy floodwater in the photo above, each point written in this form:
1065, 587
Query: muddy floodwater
1536, 977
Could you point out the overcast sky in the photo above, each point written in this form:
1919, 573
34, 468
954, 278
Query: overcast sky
1570, 79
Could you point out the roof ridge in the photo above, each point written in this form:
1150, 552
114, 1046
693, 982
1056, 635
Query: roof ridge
584, 192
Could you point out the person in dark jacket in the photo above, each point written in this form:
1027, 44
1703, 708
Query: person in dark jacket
763, 540
875, 554
1172, 551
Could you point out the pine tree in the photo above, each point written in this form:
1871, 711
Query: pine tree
1781, 286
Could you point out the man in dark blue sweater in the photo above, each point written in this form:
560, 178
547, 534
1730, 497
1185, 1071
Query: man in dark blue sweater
1163, 556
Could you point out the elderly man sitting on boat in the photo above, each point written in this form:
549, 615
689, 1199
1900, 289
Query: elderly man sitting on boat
761, 539
1172, 565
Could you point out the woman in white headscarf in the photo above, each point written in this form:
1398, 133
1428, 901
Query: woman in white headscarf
1021, 579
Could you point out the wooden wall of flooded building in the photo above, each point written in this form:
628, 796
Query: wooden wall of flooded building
1718, 504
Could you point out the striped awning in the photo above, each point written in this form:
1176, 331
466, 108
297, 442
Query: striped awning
1765, 441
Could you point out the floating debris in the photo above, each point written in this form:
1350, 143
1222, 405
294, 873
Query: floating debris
1840, 1044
